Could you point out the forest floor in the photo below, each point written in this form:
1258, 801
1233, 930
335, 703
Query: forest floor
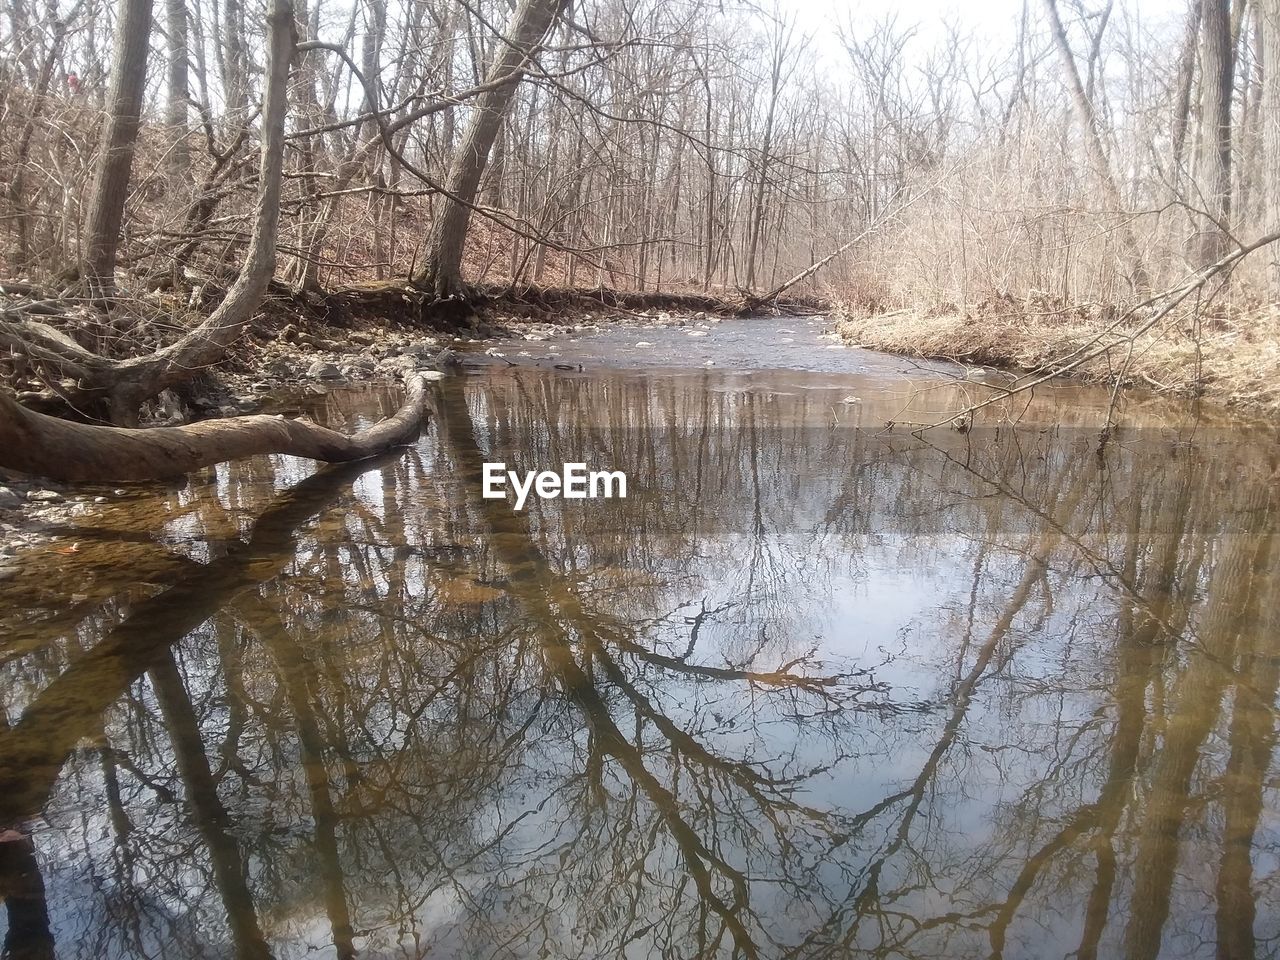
1229, 356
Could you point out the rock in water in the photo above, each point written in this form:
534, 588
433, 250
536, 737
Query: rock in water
448, 359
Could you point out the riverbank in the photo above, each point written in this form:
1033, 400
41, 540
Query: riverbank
369, 335
307, 345
356, 333
290, 363
1227, 356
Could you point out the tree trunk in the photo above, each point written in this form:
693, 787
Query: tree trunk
179, 68
709, 233
1093, 145
119, 138
233, 60
1213, 153
1270, 119
133, 381
371, 63
61, 450
442, 268
782, 42
1182, 96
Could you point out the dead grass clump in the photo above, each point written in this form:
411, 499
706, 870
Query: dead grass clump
1231, 356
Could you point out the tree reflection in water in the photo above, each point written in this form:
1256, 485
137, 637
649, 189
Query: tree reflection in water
813, 689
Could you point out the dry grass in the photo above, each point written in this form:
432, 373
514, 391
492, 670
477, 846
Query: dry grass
1230, 356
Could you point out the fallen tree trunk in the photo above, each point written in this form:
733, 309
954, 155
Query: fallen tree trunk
61, 450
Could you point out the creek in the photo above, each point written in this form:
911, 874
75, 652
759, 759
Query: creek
816, 687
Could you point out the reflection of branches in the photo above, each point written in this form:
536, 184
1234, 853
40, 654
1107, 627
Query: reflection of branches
33, 751
557, 611
870, 900
782, 676
1197, 697
207, 811
1101, 564
296, 678
447, 728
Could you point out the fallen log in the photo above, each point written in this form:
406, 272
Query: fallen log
57, 449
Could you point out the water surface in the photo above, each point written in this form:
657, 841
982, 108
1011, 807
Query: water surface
816, 688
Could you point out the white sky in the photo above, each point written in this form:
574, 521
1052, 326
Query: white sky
991, 20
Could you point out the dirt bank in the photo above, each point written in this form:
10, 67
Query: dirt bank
1225, 355
366, 334
361, 333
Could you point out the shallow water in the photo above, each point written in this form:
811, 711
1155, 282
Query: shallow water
815, 688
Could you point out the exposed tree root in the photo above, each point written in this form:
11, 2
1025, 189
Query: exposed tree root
61, 450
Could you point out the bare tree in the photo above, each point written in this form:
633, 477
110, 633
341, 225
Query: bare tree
179, 84
1093, 144
127, 384
119, 139
1213, 154
442, 268
1270, 119
781, 49
1186, 77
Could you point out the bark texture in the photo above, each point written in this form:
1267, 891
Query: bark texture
119, 138
178, 80
442, 270
1186, 77
1213, 155
61, 450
